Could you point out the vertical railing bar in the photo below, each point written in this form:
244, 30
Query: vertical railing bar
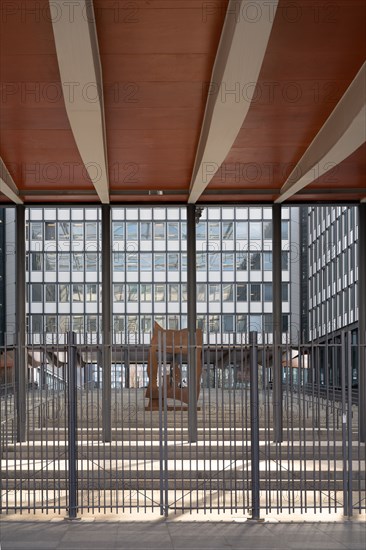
319, 428
344, 425
72, 442
223, 428
254, 425
349, 424
327, 415
161, 452
166, 472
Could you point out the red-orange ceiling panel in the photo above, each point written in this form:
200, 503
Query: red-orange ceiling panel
36, 141
349, 174
156, 62
314, 52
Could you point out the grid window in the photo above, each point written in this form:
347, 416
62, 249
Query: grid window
50, 231
267, 292
91, 291
267, 261
90, 231
227, 230
255, 292
118, 231
214, 323
228, 323
159, 262
255, 261
36, 263
64, 262
227, 261
36, 231
214, 231
146, 231
118, 261
64, 293
173, 290
77, 231
118, 291
132, 293
77, 261
37, 292
78, 293
132, 231
242, 323
173, 231
255, 231
201, 293
145, 261
145, 292
159, 293
267, 230
214, 293
50, 261
132, 262
50, 292
201, 231
242, 230
227, 293
241, 292
159, 231
242, 261
64, 231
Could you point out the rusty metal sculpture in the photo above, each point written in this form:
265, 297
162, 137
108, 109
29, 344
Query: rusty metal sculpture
174, 350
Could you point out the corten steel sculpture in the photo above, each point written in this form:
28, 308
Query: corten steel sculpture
174, 351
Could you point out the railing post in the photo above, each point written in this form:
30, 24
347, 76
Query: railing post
191, 316
254, 424
72, 425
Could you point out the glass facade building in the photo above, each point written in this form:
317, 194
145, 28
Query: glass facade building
332, 269
149, 270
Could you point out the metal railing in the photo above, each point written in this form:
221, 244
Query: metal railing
238, 464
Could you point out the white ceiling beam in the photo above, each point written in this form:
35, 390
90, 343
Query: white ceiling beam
7, 185
81, 78
340, 136
239, 58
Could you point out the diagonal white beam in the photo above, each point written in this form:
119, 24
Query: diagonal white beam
342, 133
7, 185
81, 77
236, 69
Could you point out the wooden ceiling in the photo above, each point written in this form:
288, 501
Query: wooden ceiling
157, 59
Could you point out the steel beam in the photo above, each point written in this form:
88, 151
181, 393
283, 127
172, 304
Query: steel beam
106, 320
362, 318
277, 323
20, 301
191, 322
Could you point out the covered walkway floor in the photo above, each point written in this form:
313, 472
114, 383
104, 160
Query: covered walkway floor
193, 533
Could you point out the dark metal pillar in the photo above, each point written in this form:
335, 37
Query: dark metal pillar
191, 322
254, 424
20, 363
277, 323
72, 419
106, 320
362, 318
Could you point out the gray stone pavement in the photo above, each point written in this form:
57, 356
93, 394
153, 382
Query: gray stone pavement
99, 534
